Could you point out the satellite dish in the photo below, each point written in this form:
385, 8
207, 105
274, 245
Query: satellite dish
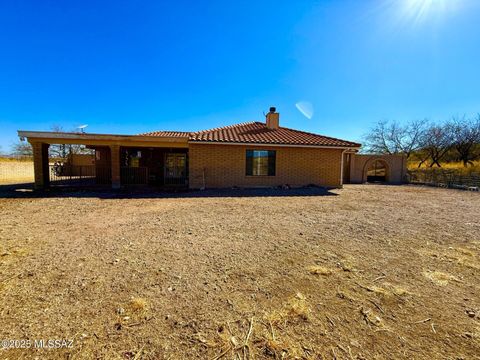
82, 128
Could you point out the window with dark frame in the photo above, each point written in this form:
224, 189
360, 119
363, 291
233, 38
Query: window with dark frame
261, 162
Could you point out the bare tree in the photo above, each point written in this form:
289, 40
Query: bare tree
379, 139
392, 138
435, 143
465, 138
63, 151
408, 137
58, 150
22, 149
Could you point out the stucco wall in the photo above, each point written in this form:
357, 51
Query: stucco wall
396, 167
82, 159
224, 166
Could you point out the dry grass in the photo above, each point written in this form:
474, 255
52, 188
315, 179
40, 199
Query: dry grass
295, 308
16, 159
371, 318
458, 166
14, 171
462, 256
138, 304
396, 276
439, 278
319, 270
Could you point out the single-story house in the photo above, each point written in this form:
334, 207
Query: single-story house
253, 154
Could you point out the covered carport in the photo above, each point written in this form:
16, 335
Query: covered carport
108, 146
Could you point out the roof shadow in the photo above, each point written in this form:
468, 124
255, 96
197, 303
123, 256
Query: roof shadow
26, 191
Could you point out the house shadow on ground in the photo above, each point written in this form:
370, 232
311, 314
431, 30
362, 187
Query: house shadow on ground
26, 191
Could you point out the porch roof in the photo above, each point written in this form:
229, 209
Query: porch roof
51, 137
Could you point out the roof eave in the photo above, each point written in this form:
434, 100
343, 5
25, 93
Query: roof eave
51, 135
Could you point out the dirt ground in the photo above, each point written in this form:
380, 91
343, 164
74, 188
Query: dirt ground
366, 272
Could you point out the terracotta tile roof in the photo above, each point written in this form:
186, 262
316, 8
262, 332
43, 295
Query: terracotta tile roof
257, 133
183, 134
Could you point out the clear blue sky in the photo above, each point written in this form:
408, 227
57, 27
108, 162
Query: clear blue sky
133, 66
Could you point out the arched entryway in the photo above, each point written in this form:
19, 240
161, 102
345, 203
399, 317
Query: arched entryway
376, 171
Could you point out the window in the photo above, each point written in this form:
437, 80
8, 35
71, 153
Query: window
261, 162
132, 157
175, 166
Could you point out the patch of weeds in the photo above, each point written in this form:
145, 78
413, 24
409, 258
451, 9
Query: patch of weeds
462, 256
465, 251
136, 309
371, 318
387, 292
319, 270
346, 295
473, 264
439, 278
347, 263
296, 308
397, 290
138, 304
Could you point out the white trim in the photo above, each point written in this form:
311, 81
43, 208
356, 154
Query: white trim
273, 145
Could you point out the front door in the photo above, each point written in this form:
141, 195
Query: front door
176, 169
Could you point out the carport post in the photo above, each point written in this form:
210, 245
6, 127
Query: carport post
115, 163
40, 165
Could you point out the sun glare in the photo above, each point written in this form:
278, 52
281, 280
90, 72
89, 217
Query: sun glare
419, 10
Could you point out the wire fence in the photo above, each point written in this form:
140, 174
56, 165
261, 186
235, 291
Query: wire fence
445, 178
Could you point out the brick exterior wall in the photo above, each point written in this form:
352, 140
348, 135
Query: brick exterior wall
225, 165
115, 164
40, 165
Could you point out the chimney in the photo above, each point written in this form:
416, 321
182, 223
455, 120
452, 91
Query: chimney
273, 118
